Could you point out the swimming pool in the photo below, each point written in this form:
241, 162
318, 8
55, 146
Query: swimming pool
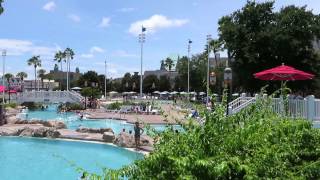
73, 121
37, 159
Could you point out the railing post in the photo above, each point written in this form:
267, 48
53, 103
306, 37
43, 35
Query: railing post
229, 110
310, 107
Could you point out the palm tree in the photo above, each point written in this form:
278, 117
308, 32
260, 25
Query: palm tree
71, 55
169, 64
35, 61
215, 46
60, 58
41, 75
1, 8
22, 76
8, 76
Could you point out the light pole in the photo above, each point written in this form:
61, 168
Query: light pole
105, 79
4, 53
189, 49
209, 39
68, 54
142, 38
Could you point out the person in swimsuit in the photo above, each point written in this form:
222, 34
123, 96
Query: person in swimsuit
137, 134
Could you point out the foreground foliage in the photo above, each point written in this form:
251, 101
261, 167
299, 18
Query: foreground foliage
252, 144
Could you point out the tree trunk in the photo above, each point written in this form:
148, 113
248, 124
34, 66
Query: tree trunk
35, 78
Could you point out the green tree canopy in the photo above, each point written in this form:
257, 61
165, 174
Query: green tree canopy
258, 38
1, 7
89, 77
148, 83
22, 75
164, 83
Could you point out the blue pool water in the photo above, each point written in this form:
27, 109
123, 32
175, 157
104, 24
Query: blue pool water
38, 159
73, 122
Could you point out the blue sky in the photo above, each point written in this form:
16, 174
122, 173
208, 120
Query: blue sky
100, 30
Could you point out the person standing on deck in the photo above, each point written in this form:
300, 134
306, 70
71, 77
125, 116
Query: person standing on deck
137, 134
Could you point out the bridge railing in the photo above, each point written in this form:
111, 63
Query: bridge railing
308, 108
49, 96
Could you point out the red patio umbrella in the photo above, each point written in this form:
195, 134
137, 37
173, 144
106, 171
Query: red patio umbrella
283, 73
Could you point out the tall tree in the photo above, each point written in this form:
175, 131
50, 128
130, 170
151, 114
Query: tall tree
60, 58
1, 7
35, 61
41, 75
126, 82
215, 47
56, 68
164, 83
22, 76
9, 77
169, 63
88, 78
77, 70
258, 38
149, 82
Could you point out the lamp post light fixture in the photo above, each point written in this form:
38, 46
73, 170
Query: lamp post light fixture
189, 49
105, 79
68, 55
142, 39
4, 54
227, 83
209, 39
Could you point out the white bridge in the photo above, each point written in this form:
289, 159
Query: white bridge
49, 97
308, 108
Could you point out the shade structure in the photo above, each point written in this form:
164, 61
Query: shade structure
156, 92
164, 93
113, 92
202, 93
283, 73
174, 93
76, 88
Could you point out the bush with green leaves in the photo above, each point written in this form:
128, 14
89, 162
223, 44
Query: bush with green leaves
114, 106
11, 105
252, 144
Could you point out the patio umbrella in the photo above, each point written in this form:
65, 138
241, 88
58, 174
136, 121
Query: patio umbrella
174, 93
76, 88
183, 93
283, 73
164, 93
156, 92
113, 92
2, 88
202, 93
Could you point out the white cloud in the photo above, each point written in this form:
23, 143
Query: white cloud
105, 22
87, 56
96, 49
155, 23
123, 53
74, 18
124, 10
50, 6
17, 47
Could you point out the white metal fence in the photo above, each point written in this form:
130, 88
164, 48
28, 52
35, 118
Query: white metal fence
308, 107
49, 97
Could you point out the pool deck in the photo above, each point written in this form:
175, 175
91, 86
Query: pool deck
172, 116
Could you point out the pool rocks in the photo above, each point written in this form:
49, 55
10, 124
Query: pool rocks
34, 130
127, 140
94, 130
53, 124
108, 137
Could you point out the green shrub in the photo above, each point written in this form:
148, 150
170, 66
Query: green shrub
252, 144
32, 105
11, 105
114, 106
